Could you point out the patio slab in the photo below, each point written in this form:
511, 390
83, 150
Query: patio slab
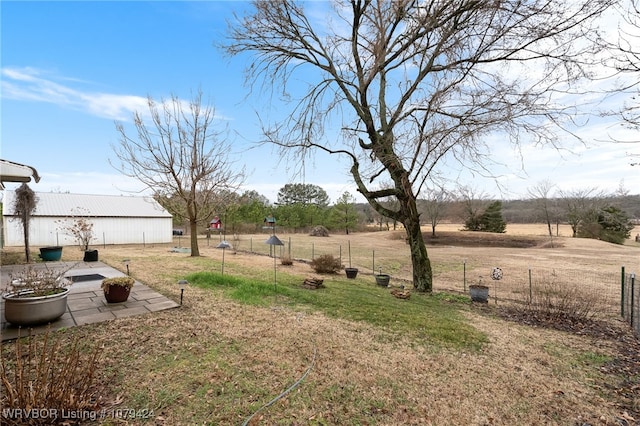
86, 303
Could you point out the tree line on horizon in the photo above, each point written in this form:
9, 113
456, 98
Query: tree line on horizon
300, 207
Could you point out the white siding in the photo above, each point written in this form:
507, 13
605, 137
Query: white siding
116, 220
44, 231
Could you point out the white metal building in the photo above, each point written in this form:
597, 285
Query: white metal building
116, 219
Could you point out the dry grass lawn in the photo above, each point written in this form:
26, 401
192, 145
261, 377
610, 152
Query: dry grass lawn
216, 361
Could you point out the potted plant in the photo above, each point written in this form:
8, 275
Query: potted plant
117, 289
51, 253
36, 296
81, 229
382, 279
479, 292
351, 272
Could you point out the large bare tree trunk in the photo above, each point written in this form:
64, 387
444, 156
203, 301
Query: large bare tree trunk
422, 272
193, 229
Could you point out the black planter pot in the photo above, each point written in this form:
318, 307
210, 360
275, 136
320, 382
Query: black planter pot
351, 272
383, 280
479, 293
90, 255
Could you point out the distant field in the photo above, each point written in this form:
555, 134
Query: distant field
518, 229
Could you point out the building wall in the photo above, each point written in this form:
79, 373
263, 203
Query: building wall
46, 231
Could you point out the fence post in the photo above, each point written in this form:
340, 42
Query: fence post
622, 292
530, 287
464, 275
633, 293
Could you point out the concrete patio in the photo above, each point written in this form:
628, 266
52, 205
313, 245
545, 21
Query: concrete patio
86, 303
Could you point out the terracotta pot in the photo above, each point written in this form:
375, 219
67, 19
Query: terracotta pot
116, 294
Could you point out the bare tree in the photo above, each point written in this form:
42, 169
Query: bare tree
180, 156
625, 60
474, 203
24, 205
541, 196
434, 205
413, 82
581, 205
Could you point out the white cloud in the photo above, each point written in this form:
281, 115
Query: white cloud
30, 84
87, 183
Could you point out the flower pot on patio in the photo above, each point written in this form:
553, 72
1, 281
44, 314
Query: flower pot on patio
479, 293
35, 296
117, 289
25, 308
90, 256
351, 272
49, 254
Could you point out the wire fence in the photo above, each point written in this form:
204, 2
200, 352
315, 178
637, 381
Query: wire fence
602, 286
599, 288
630, 301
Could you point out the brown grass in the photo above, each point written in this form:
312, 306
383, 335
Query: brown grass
215, 361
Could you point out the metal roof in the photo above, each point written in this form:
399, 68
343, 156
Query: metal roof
15, 172
66, 205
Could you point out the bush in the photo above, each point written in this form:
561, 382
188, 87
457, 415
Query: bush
47, 375
126, 282
554, 301
319, 231
326, 264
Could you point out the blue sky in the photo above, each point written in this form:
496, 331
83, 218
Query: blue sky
70, 69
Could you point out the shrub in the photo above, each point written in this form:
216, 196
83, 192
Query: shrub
41, 373
286, 260
319, 231
121, 281
555, 301
326, 264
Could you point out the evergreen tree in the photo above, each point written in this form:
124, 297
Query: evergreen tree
491, 220
609, 224
344, 214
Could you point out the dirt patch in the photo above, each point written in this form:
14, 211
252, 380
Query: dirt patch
483, 239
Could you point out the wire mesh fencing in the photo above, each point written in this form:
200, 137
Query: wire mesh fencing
563, 286
630, 301
599, 288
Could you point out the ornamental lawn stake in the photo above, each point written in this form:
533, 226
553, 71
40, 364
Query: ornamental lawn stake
496, 275
223, 245
274, 241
